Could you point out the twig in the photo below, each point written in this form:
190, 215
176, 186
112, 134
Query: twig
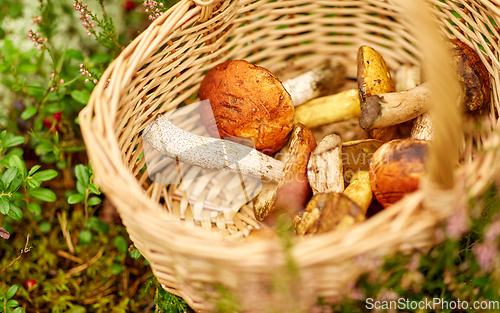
86, 265
64, 228
70, 257
23, 252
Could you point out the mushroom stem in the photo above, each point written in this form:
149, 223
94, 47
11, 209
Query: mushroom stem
423, 128
325, 170
319, 81
330, 109
210, 153
292, 192
359, 190
394, 108
408, 76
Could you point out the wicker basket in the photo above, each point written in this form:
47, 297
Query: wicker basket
200, 259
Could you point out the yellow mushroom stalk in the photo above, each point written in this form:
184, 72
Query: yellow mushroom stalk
330, 109
359, 190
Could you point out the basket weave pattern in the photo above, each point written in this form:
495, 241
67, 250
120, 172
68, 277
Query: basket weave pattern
162, 69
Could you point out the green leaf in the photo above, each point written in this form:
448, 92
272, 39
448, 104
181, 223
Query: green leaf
13, 141
16, 183
4, 205
45, 175
85, 237
12, 303
12, 291
61, 62
18, 310
43, 148
27, 68
14, 151
94, 201
34, 208
48, 158
135, 254
80, 187
15, 212
82, 174
80, 96
75, 198
61, 164
94, 189
43, 194
52, 108
17, 162
121, 244
96, 224
33, 183
45, 227
29, 113
9, 176
117, 269
74, 54
56, 139
34, 169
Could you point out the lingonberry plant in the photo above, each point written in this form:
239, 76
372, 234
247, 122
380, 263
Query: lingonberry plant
63, 246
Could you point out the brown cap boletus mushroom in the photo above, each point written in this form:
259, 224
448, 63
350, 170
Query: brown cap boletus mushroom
326, 212
292, 192
393, 108
472, 75
356, 156
248, 101
396, 169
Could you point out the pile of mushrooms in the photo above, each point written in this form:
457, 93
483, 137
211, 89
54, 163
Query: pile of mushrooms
332, 184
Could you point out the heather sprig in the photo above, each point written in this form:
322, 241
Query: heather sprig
107, 35
154, 8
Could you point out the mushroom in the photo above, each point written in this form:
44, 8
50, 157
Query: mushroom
389, 109
329, 209
292, 192
396, 169
356, 156
319, 81
326, 212
407, 77
210, 153
422, 127
360, 191
248, 101
329, 109
373, 78
325, 170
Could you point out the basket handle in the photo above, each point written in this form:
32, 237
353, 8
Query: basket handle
207, 8
444, 107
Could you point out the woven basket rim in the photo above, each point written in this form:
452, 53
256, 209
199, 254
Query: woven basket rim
97, 123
